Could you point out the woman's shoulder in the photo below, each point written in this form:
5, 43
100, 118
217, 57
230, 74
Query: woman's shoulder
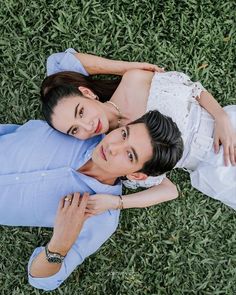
135, 75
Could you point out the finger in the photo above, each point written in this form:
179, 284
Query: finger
226, 156
84, 201
159, 70
67, 200
90, 211
216, 145
232, 152
76, 199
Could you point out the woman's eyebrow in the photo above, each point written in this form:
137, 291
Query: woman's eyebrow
75, 115
69, 130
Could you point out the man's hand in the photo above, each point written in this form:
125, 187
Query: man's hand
69, 221
99, 203
224, 134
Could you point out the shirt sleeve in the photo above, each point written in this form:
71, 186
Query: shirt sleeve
65, 61
95, 232
8, 128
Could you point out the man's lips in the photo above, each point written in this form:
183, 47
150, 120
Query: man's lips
103, 153
99, 127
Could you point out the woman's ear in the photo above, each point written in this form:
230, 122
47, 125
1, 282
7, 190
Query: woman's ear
137, 176
87, 92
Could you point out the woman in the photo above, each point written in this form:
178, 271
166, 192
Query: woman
203, 123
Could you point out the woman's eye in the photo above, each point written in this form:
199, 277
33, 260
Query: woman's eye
123, 133
130, 156
74, 130
81, 112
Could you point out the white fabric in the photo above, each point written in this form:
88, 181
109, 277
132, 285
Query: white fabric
212, 177
172, 94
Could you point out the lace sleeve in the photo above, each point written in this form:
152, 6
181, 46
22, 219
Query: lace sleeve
149, 182
197, 87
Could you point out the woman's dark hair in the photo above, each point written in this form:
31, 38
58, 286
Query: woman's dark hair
166, 142
65, 84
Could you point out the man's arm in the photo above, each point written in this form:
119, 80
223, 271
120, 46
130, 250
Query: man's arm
95, 232
165, 191
86, 64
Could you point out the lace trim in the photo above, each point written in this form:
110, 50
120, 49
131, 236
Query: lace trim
149, 182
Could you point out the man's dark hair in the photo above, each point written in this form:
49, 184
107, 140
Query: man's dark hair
166, 142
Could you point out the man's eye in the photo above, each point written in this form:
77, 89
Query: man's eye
81, 112
123, 133
130, 156
74, 130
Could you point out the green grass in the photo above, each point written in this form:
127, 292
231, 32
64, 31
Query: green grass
187, 246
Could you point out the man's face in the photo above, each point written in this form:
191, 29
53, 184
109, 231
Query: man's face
123, 151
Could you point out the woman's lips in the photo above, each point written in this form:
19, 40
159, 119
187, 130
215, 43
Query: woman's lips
99, 127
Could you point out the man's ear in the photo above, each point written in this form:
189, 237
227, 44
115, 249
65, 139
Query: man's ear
137, 176
87, 92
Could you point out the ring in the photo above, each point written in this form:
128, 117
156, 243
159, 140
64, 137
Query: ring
68, 199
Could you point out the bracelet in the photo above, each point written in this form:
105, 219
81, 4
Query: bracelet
121, 203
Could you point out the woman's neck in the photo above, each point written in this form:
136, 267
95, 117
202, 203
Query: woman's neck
131, 97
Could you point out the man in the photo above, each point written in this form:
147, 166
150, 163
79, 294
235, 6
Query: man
39, 165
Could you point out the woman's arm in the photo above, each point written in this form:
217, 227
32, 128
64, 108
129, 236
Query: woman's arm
98, 65
85, 64
224, 133
163, 192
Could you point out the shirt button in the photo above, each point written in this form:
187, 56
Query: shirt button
17, 178
43, 174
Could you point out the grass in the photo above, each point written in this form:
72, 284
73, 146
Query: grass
187, 246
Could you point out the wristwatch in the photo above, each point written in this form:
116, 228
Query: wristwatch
53, 257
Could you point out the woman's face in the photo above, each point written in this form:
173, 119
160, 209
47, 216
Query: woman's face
80, 117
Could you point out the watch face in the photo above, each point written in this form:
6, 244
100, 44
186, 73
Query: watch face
54, 259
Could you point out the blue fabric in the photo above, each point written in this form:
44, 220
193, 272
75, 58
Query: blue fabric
64, 61
39, 169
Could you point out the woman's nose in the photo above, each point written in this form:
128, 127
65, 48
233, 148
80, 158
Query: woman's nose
88, 126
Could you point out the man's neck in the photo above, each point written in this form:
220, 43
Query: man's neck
90, 169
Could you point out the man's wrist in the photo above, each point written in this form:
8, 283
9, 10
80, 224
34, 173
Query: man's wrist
56, 248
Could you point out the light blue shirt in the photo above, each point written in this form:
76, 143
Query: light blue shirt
38, 168
65, 61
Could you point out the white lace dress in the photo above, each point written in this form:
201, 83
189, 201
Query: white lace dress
174, 95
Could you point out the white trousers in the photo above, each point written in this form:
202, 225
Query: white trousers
211, 176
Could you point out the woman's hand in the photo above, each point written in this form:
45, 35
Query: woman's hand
99, 203
225, 135
69, 221
144, 66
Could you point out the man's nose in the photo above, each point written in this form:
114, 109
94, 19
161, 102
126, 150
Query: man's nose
115, 148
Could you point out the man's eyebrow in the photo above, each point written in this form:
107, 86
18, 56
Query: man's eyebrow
75, 115
76, 110
133, 150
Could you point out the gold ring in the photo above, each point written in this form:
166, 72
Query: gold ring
67, 199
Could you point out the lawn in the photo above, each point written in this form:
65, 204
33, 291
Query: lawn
187, 246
